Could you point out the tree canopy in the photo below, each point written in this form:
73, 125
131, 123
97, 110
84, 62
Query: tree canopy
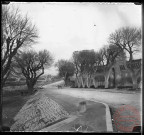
127, 38
32, 65
17, 32
85, 61
65, 68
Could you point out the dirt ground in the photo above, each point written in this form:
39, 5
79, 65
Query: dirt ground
94, 116
114, 98
11, 106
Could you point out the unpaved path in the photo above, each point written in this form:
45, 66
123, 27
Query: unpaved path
110, 98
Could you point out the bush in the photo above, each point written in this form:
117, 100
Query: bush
100, 78
92, 86
10, 83
124, 87
138, 80
11, 79
23, 79
13, 93
72, 85
129, 79
101, 86
85, 86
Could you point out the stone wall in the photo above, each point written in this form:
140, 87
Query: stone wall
122, 77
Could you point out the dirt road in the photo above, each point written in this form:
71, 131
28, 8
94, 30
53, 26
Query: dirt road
111, 98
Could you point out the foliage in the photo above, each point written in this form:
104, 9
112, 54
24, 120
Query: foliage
85, 61
10, 83
124, 87
99, 78
65, 68
32, 65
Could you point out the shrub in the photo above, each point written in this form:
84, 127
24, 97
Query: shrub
129, 79
73, 85
138, 80
92, 86
11, 79
85, 86
10, 83
100, 78
13, 93
101, 86
124, 87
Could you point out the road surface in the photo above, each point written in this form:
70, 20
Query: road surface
108, 96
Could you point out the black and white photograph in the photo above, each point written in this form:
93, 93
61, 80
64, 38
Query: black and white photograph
71, 67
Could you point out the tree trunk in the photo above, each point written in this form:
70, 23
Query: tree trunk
81, 81
1, 109
30, 85
66, 79
84, 82
106, 82
78, 82
88, 82
131, 56
134, 81
107, 74
94, 83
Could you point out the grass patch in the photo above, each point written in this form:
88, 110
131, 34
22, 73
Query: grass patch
14, 97
55, 122
11, 106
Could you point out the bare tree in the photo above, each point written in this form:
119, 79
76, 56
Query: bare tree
128, 39
17, 31
32, 65
109, 54
76, 63
66, 69
86, 63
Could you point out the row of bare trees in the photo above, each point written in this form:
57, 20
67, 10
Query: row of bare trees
87, 62
122, 44
66, 69
18, 33
129, 40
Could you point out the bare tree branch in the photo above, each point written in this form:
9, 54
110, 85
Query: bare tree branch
31, 63
17, 31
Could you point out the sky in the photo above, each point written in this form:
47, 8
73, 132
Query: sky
67, 27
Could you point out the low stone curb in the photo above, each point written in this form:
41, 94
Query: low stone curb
108, 116
59, 124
